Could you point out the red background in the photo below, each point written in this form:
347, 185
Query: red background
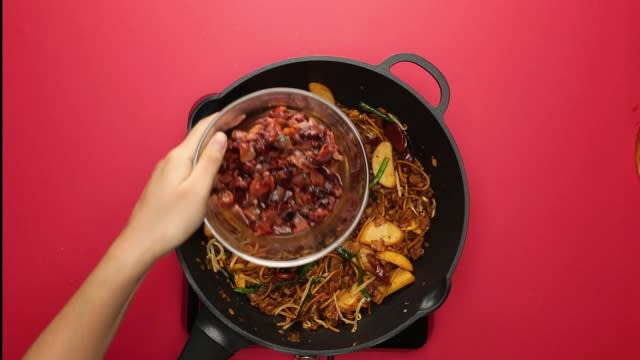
544, 107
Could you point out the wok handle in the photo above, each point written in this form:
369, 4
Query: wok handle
445, 93
211, 339
435, 297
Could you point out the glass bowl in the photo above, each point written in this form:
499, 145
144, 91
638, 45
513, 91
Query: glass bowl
281, 251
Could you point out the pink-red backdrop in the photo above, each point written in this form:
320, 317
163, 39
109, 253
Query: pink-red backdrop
544, 107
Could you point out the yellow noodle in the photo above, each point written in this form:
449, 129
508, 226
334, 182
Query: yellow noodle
285, 306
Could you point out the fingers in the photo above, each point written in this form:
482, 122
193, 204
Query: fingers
189, 144
209, 162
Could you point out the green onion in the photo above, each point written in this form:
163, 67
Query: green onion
304, 301
245, 290
344, 253
374, 111
250, 289
288, 282
255, 287
303, 270
349, 256
364, 291
383, 167
386, 117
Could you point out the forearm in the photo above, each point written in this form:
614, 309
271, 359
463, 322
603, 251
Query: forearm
86, 325
171, 206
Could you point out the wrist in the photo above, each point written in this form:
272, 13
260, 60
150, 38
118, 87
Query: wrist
131, 249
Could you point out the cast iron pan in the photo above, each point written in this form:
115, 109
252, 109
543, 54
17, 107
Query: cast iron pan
232, 324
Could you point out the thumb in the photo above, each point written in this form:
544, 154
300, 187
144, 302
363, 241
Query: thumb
207, 167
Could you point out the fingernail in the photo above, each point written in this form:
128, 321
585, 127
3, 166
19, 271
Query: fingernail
219, 141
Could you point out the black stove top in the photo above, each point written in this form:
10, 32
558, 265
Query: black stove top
413, 337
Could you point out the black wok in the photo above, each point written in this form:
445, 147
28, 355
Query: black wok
218, 334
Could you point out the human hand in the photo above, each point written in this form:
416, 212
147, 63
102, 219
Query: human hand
173, 203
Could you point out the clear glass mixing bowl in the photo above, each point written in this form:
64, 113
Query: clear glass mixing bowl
309, 245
